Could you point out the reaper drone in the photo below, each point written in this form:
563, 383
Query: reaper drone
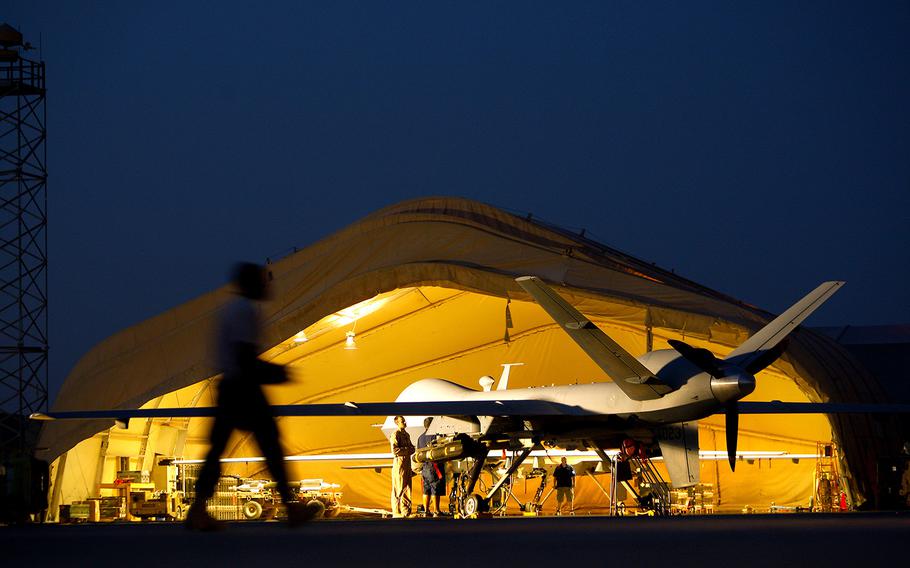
659, 396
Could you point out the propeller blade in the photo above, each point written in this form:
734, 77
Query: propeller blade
701, 358
732, 427
765, 358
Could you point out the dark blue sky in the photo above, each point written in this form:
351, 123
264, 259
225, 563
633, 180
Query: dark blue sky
754, 147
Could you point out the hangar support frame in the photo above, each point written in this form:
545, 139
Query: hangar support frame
23, 247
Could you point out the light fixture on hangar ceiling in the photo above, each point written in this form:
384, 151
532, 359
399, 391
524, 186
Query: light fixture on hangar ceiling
349, 343
341, 318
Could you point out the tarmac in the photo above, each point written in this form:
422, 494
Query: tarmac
847, 539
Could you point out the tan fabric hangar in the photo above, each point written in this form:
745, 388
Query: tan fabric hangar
424, 286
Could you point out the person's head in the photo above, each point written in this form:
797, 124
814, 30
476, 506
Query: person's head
251, 280
563, 461
400, 422
427, 421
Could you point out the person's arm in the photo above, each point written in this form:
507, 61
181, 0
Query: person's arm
261, 372
395, 444
246, 357
401, 446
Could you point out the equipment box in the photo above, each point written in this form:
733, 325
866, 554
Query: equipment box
167, 506
85, 511
111, 508
133, 476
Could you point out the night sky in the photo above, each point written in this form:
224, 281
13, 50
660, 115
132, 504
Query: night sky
757, 148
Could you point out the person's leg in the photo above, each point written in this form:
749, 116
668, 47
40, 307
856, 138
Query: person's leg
406, 495
437, 488
266, 434
211, 469
397, 484
197, 518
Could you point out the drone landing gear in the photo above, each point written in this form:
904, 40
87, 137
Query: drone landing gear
535, 505
470, 504
475, 504
463, 489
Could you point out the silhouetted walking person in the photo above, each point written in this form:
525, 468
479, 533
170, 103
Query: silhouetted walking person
241, 403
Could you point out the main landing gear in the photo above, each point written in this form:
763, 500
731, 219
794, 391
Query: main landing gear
475, 504
464, 501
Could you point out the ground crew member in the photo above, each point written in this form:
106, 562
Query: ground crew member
905, 484
402, 449
432, 473
564, 482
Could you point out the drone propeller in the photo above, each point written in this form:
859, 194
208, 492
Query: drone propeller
701, 358
732, 428
728, 386
731, 411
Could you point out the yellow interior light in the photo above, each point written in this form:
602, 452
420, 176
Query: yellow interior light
349, 342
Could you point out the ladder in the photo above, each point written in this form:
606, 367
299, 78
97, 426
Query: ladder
653, 493
826, 498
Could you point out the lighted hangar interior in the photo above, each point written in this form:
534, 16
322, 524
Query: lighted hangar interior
425, 286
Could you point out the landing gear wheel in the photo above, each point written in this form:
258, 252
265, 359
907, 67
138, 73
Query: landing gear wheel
252, 510
474, 504
314, 509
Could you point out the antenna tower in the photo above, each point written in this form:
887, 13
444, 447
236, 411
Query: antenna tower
23, 243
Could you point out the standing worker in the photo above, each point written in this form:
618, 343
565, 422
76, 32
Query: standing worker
402, 450
241, 404
432, 474
564, 482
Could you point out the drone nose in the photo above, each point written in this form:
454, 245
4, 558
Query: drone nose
732, 387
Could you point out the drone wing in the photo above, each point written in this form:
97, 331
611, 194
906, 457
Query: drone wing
445, 408
633, 378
